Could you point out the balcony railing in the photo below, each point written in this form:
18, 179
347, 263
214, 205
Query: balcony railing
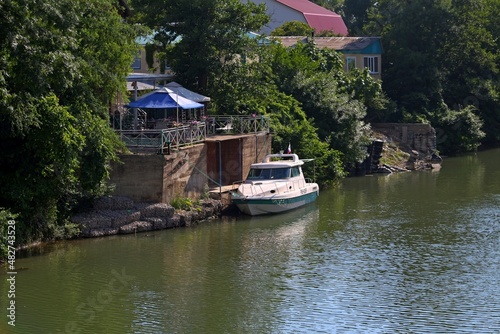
237, 124
192, 133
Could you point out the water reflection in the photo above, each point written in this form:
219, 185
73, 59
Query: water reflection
404, 253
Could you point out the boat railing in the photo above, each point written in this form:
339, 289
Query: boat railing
280, 186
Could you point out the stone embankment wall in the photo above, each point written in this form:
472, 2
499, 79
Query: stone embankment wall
414, 136
159, 178
121, 215
190, 171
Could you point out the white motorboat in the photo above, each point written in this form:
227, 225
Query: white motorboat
275, 185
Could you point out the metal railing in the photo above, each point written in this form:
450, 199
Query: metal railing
192, 133
183, 136
237, 124
141, 138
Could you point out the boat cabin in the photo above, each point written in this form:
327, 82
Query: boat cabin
273, 173
275, 167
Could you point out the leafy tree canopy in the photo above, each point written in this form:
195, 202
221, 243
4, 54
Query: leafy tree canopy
61, 63
441, 57
293, 28
208, 34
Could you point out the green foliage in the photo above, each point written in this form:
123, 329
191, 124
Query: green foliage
333, 5
214, 33
254, 91
458, 131
181, 203
61, 62
361, 86
291, 126
150, 53
336, 101
355, 15
293, 28
442, 55
339, 118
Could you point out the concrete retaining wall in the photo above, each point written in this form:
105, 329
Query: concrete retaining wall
138, 177
416, 136
190, 171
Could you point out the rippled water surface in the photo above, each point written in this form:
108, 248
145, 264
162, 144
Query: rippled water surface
405, 253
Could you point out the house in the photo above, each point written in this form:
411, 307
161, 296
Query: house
358, 52
140, 63
317, 17
146, 61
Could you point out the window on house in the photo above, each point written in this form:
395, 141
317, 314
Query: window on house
351, 63
372, 64
136, 65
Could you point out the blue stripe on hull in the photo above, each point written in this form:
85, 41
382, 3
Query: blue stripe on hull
272, 205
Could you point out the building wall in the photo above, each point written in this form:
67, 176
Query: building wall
279, 14
184, 173
144, 64
237, 154
360, 63
139, 177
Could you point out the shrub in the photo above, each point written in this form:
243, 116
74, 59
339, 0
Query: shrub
181, 203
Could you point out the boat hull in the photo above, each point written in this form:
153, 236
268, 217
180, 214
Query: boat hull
275, 204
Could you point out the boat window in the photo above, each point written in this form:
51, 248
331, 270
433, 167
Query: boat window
258, 174
295, 171
268, 174
280, 173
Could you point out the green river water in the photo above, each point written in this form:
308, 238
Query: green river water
405, 253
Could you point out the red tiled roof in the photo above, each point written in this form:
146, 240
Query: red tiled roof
326, 23
318, 18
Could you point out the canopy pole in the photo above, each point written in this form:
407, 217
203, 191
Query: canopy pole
177, 107
135, 109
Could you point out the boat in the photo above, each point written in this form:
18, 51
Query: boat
275, 185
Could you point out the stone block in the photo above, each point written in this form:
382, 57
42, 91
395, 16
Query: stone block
174, 221
101, 232
186, 218
158, 210
113, 203
138, 226
123, 217
158, 223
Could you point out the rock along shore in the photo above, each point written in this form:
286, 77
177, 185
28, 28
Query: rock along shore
120, 215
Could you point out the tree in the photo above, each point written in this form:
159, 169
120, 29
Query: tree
61, 63
355, 14
208, 35
470, 74
334, 99
333, 5
440, 57
253, 90
293, 28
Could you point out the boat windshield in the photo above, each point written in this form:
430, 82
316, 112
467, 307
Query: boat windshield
268, 173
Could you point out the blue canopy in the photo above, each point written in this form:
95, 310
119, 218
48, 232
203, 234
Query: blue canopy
164, 98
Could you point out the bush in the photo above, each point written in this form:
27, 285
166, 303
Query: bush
181, 203
458, 131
